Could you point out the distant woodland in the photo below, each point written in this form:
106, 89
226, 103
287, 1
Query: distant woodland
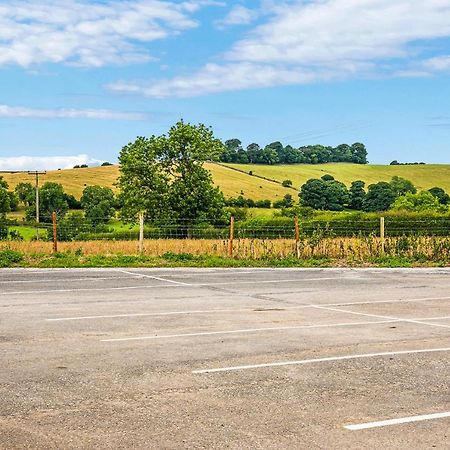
277, 153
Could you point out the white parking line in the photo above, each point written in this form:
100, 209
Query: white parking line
57, 280
255, 308
423, 299
120, 288
290, 327
173, 284
246, 330
156, 314
377, 316
209, 273
320, 360
155, 278
384, 423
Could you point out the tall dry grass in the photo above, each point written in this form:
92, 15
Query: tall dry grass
361, 248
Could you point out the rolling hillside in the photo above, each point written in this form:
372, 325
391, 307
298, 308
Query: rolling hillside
232, 181
423, 176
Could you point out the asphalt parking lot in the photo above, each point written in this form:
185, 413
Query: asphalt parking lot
225, 358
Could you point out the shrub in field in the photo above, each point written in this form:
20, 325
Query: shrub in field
178, 256
3, 230
441, 195
263, 203
286, 202
239, 214
15, 235
9, 258
423, 201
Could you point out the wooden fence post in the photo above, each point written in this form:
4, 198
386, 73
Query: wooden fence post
382, 235
297, 237
230, 242
141, 234
55, 233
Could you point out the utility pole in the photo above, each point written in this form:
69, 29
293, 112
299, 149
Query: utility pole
36, 173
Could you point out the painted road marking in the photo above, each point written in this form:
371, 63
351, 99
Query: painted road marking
156, 278
57, 280
320, 360
173, 284
156, 314
423, 299
246, 330
384, 423
259, 309
253, 330
377, 316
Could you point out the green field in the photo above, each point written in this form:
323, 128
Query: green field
423, 176
233, 183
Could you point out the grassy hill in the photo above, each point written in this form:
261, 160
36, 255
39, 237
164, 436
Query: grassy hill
423, 176
232, 181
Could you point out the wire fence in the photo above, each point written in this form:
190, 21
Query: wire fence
83, 229
424, 238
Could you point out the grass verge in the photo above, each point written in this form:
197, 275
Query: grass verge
68, 259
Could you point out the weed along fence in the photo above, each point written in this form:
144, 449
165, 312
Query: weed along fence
283, 237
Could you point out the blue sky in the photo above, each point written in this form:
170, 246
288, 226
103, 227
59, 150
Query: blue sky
79, 79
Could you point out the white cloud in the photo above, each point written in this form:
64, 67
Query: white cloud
316, 40
438, 64
215, 78
44, 162
7, 111
90, 34
238, 15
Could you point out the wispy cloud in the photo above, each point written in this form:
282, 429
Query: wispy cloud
44, 162
89, 34
317, 40
7, 111
438, 64
238, 15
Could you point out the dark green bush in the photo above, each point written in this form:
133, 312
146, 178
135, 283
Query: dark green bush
3, 231
9, 257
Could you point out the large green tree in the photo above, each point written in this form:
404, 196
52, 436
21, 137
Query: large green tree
441, 195
357, 195
98, 204
313, 194
5, 205
163, 176
3, 183
337, 195
324, 194
379, 197
402, 186
26, 193
51, 199
230, 151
